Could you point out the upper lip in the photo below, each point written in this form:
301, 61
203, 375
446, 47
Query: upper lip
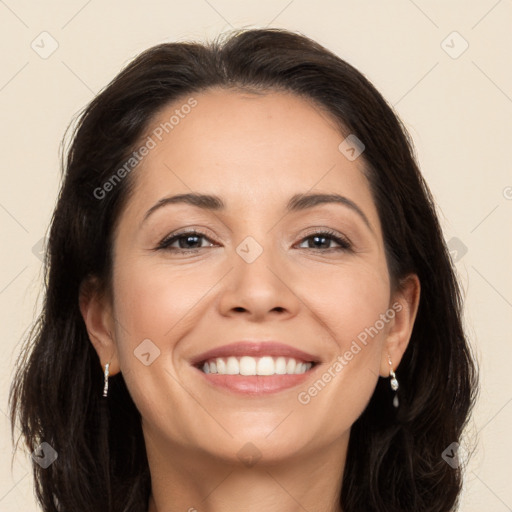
254, 349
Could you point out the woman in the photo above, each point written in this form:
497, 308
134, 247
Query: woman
249, 302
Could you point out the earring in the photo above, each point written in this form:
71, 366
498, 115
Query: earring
393, 382
105, 386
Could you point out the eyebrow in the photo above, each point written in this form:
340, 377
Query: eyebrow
298, 202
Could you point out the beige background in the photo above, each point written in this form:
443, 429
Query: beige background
458, 110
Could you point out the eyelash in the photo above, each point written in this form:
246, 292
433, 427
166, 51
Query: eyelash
344, 243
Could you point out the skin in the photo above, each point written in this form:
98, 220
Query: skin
255, 152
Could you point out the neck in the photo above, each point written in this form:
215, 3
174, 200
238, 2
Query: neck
183, 480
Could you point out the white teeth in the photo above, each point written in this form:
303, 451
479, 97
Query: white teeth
265, 366
232, 366
247, 365
280, 365
221, 366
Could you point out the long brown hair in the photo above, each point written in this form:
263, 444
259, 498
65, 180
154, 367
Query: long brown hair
394, 460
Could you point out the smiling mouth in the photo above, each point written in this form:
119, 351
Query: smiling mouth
260, 366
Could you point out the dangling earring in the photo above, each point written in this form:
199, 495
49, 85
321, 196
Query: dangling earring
393, 382
105, 386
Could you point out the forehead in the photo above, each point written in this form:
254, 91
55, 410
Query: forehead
248, 148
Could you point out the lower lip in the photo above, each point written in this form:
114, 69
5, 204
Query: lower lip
256, 384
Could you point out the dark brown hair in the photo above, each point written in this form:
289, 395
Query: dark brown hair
394, 460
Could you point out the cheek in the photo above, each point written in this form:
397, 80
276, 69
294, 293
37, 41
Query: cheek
156, 305
351, 299
153, 300
353, 306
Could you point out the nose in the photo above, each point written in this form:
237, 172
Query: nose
261, 289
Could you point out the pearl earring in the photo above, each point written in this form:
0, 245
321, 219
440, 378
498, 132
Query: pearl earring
393, 382
105, 386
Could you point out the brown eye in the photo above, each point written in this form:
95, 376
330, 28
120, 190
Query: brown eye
189, 241
323, 238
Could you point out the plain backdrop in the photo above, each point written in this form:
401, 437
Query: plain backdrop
444, 66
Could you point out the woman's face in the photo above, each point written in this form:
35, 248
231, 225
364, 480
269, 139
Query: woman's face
257, 273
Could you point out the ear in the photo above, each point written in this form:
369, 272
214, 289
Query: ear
96, 309
404, 302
